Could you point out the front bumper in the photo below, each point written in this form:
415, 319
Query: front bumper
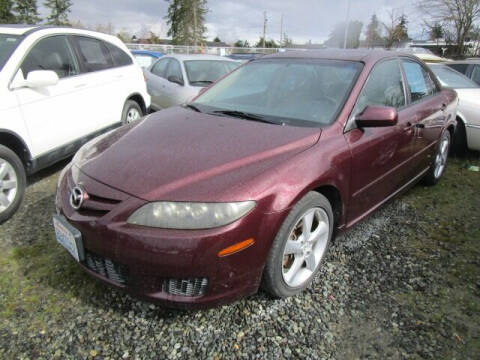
150, 262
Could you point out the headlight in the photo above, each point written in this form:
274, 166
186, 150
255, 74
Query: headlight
189, 216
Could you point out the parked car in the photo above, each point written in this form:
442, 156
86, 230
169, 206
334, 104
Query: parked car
201, 204
59, 87
470, 68
468, 113
423, 54
145, 58
176, 79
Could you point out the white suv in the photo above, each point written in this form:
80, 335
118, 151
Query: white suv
59, 87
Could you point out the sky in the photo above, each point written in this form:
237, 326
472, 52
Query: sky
231, 20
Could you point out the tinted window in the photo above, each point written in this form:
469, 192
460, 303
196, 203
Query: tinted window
419, 81
160, 68
94, 54
174, 69
452, 78
8, 43
292, 91
204, 72
384, 87
459, 67
476, 74
120, 58
52, 53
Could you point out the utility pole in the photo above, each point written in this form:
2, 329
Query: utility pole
194, 22
347, 24
281, 29
264, 27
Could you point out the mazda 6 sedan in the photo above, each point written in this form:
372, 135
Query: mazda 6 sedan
245, 186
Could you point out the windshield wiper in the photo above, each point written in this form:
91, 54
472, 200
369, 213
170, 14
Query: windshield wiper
193, 107
245, 115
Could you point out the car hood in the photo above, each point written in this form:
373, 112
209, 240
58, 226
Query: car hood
182, 155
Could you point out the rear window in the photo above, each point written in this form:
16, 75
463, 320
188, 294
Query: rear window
204, 72
8, 43
93, 54
452, 78
120, 58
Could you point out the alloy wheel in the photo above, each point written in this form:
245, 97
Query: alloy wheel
132, 115
8, 184
442, 155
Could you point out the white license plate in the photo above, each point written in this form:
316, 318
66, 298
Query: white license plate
69, 237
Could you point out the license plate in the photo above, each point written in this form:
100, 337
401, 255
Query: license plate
69, 237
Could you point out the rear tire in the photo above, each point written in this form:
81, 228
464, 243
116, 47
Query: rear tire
439, 162
459, 141
131, 112
289, 269
12, 183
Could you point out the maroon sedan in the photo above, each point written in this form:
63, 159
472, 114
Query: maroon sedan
244, 187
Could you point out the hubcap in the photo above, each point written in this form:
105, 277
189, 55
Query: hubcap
132, 115
305, 247
8, 184
441, 158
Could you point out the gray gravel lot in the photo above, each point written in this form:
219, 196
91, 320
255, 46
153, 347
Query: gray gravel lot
351, 311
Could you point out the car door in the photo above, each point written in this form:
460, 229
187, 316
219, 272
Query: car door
156, 83
175, 85
54, 115
379, 155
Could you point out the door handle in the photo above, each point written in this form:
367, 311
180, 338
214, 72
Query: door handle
408, 127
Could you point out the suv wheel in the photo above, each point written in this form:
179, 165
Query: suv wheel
12, 183
131, 112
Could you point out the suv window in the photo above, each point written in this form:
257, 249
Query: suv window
160, 68
384, 87
419, 81
174, 69
93, 54
51, 53
120, 58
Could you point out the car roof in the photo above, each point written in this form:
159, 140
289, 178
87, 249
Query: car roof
147, 52
184, 57
466, 61
16, 29
363, 55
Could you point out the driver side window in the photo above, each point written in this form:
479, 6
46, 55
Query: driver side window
174, 69
384, 87
160, 68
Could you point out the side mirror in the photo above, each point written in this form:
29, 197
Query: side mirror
41, 78
175, 79
377, 116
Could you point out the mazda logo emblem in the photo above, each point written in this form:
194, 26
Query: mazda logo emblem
77, 197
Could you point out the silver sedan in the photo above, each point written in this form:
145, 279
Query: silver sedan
176, 79
467, 134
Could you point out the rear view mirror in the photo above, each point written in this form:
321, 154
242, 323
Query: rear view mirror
175, 79
38, 79
377, 116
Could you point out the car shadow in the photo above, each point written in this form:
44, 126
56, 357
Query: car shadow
49, 171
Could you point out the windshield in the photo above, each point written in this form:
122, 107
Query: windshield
205, 72
452, 78
8, 44
292, 91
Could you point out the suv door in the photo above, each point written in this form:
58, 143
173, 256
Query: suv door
380, 155
54, 115
156, 83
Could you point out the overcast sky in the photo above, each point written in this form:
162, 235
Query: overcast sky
231, 20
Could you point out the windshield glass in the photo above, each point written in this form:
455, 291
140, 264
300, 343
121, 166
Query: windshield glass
292, 91
452, 78
205, 72
8, 43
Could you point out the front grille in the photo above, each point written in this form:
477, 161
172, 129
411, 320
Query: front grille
107, 268
185, 287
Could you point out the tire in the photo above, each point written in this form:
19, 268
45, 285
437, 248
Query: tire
459, 141
439, 162
279, 278
131, 112
12, 183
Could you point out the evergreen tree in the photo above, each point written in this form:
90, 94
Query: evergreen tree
186, 19
6, 15
436, 31
26, 11
401, 31
59, 10
373, 36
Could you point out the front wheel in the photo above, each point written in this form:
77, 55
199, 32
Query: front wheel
437, 168
12, 183
131, 112
299, 247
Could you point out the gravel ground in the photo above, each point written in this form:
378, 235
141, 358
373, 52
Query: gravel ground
386, 290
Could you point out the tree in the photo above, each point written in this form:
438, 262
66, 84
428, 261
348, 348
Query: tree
396, 30
26, 11
240, 43
401, 31
217, 39
337, 36
373, 33
459, 15
268, 43
436, 31
186, 19
6, 14
59, 10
